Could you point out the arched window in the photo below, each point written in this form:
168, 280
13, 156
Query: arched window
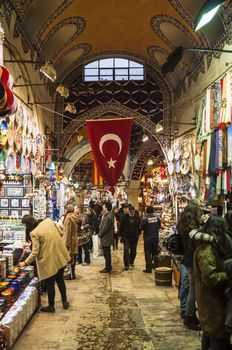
113, 69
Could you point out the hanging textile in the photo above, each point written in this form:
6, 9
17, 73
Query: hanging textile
203, 157
224, 147
229, 145
223, 101
228, 98
207, 111
213, 95
208, 153
220, 146
217, 87
217, 150
219, 183
212, 157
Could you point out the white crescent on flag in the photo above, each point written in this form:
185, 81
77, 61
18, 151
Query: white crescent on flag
108, 137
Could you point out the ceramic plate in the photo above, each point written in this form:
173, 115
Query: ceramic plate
184, 168
170, 155
170, 168
177, 154
197, 162
177, 166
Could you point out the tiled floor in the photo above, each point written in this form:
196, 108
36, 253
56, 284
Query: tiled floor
123, 310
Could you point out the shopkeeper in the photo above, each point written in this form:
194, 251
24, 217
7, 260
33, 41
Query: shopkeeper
51, 256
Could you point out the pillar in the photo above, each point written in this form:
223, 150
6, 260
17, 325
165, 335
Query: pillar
133, 192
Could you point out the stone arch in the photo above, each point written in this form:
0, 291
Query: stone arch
143, 154
118, 110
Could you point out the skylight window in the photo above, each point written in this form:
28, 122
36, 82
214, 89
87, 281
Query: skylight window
111, 69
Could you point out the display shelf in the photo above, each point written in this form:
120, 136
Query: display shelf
16, 317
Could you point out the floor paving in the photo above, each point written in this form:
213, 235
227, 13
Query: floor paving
121, 310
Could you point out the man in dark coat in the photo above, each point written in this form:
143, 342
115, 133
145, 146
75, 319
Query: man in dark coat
106, 234
130, 230
150, 225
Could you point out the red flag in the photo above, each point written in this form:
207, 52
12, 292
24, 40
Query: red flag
97, 180
109, 139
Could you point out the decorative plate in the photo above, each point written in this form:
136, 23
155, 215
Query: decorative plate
197, 162
177, 153
184, 168
170, 168
170, 155
177, 167
19, 116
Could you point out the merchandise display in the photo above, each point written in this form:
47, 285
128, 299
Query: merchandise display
11, 229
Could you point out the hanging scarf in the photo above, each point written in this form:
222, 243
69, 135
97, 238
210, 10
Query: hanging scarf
229, 145
213, 95
212, 156
219, 183
222, 118
207, 111
220, 146
208, 153
217, 86
217, 150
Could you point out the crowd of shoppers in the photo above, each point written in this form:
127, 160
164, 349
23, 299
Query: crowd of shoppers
206, 263
206, 272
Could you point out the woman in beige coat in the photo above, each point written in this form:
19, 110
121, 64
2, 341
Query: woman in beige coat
51, 256
71, 237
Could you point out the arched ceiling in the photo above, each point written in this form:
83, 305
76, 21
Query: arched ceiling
65, 31
71, 33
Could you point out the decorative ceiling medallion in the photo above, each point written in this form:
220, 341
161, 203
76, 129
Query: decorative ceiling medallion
85, 47
156, 21
78, 21
49, 20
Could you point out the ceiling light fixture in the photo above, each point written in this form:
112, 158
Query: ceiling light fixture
70, 108
49, 71
145, 138
207, 12
63, 91
150, 162
177, 54
159, 128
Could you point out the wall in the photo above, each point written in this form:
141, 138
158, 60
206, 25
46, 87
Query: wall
25, 73
185, 108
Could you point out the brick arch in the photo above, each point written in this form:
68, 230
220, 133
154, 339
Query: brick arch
117, 110
141, 158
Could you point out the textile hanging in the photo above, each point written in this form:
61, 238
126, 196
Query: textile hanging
97, 180
163, 172
109, 139
212, 157
229, 145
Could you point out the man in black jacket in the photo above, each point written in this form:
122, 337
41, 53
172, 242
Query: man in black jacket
129, 230
150, 225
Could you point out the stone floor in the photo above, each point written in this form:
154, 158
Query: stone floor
122, 310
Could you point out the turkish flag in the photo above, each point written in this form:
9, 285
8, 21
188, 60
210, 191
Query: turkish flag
109, 139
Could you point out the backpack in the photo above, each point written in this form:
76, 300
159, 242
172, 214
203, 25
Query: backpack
174, 244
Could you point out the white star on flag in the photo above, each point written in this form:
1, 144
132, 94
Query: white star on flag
111, 163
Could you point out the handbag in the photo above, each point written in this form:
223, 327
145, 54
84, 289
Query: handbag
174, 244
84, 236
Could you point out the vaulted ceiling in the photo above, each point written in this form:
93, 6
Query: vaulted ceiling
71, 33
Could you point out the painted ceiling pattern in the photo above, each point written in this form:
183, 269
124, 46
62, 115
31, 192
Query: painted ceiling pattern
72, 33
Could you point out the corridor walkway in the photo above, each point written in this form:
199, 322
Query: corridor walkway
123, 310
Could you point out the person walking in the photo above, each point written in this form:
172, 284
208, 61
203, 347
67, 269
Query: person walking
106, 234
83, 225
70, 237
150, 225
189, 220
211, 281
51, 255
129, 231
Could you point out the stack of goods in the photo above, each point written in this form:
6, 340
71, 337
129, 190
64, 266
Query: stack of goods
12, 230
21, 311
168, 223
